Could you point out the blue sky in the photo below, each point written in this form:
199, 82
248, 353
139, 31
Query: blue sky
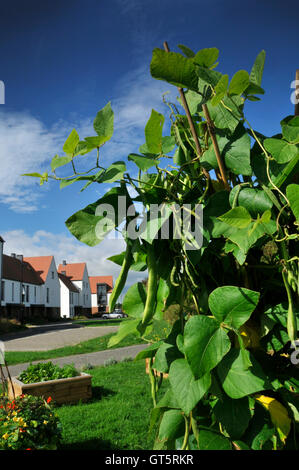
62, 61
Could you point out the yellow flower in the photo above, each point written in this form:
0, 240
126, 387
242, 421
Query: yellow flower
45, 422
5, 436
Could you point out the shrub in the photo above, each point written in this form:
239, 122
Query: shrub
28, 423
43, 372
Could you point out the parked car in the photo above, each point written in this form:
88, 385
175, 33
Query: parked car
114, 314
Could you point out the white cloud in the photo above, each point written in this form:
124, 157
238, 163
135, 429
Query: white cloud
64, 247
27, 145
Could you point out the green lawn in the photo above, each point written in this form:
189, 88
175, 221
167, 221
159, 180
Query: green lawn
118, 415
91, 345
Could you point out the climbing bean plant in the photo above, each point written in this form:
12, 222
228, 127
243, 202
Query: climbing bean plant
229, 360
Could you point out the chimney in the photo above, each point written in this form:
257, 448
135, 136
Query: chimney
19, 257
64, 262
13, 255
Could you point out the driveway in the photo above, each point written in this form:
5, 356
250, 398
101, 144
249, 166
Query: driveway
43, 338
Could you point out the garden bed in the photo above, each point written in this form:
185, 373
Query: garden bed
66, 390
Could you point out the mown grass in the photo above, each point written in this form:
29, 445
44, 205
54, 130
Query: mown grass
117, 417
89, 346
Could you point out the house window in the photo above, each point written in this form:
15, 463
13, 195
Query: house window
12, 291
52, 274
27, 293
48, 295
35, 294
2, 290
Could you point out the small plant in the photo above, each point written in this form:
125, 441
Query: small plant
28, 423
43, 372
110, 362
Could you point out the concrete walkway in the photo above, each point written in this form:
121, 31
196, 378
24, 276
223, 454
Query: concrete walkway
53, 336
82, 360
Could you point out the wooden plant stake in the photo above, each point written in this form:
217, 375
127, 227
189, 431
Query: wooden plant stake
211, 130
190, 121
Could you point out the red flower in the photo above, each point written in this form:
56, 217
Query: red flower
28, 448
49, 399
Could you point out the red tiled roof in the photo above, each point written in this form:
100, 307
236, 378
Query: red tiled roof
68, 283
15, 270
94, 280
75, 271
41, 264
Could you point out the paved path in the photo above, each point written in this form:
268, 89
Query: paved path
43, 338
82, 360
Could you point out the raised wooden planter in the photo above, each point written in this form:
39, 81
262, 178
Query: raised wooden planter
68, 390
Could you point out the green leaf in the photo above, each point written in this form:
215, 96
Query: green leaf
222, 117
253, 89
150, 351
113, 173
290, 129
220, 90
34, 175
172, 425
239, 83
103, 123
155, 220
186, 389
257, 70
186, 50
90, 226
292, 192
231, 247
211, 440
238, 217
71, 143
67, 182
238, 382
168, 351
233, 305
153, 132
205, 344
134, 300
234, 415
93, 142
168, 144
254, 200
206, 57
235, 151
60, 161
125, 328
245, 238
174, 68
281, 150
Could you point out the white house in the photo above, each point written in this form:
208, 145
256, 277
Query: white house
69, 297
101, 288
1, 256
46, 268
78, 274
21, 290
